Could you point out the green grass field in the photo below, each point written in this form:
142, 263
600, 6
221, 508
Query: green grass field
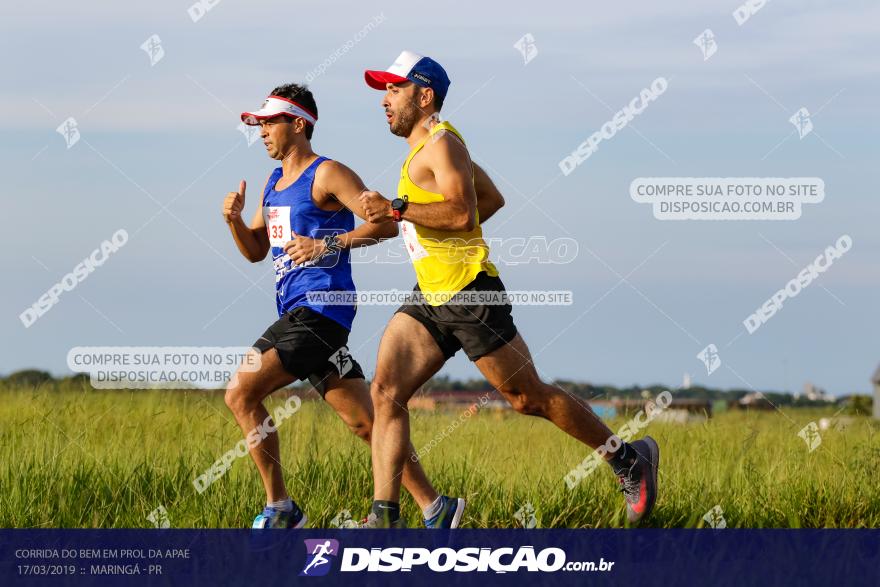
104, 459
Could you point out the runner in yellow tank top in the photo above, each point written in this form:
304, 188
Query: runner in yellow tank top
437, 202
445, 260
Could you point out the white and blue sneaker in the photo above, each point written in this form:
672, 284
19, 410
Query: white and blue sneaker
275, 518
449, 515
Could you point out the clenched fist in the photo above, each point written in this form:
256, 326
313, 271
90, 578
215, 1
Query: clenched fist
234, 203
376, 208
302, 248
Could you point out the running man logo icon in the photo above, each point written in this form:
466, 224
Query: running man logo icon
251, 133
526, 516
429, 123
70, 131
318, 552
710, 357
159, 517
153, 48
714, 518
706, 43
343, 520
343, 361
802, 122
810, 435
526, 46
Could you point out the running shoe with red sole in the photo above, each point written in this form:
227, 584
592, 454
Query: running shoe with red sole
638, 482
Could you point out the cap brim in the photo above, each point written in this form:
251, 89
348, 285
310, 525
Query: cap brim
379, 79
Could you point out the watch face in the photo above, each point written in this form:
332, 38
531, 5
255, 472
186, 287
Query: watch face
397, 204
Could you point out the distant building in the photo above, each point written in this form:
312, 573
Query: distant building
875, 381
605, 409
678, 410
816, 394
686, 381
475, 400
753, 401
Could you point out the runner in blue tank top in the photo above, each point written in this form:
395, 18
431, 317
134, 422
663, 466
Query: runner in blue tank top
291, 211
305, 219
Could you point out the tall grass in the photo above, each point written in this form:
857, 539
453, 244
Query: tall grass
108, 458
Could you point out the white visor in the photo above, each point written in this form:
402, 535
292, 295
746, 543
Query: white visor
275, 106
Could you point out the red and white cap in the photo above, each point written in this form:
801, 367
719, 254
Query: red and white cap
278, 106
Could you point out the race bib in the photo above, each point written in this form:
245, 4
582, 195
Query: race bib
411, 239
277, 219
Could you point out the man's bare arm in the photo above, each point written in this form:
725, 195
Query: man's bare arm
489, 199
451, 165
463, 192
334, 178
346, 186
448, 160
252, 241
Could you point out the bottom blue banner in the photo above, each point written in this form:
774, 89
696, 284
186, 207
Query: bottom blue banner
458, 557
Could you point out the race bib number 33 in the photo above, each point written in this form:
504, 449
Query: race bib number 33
277, 219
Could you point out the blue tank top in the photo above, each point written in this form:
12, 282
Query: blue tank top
292, 209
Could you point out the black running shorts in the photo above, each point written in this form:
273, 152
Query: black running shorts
310, 346
478, 329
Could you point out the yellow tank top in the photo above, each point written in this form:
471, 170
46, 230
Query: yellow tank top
445, 260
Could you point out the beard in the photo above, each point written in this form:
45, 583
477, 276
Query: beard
405, 119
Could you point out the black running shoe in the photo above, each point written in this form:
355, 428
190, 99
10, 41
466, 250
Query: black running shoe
638, 482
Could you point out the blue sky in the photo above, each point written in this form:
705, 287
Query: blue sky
159, 149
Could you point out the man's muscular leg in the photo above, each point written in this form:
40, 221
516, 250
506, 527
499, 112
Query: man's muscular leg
244, 397
408, 357
350, 398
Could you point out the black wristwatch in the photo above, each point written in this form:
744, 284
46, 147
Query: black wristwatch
398, 206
